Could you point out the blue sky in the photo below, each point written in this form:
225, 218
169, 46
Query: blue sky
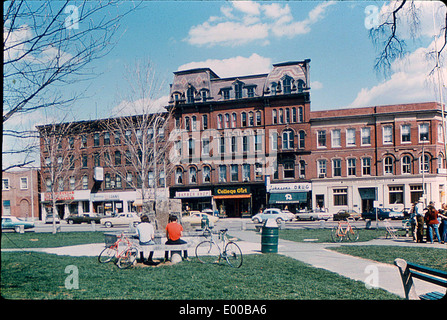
247, 37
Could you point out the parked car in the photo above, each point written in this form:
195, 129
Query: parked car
383, 213
120, 219
289, 214
195, 217
272, 213
11, 222
313, 215
83, 218
347, 214
49, 218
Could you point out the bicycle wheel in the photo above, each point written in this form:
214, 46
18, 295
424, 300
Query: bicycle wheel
208, 252
336, 235
233, 254
107, 254
353, 234
128, 258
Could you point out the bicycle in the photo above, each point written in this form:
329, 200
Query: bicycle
209, 251
125, 257
344, 229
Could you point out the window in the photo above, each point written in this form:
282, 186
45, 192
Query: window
119, 184
205, 122
206, 174
106, 138
192, 175
84, 182
388, 165
300, 114
289, 169
48, 185
396, 194
179, 176
234, 172
250, 92
387, 135
302, 169
406, 165
84, 161
97, 159
96, 139
366, 166
219, 121
245, 144
294, 117
233, 120
274, 140
258, 118
238, 90
222, 145
366, 136
222, 173
190, 95
286, 83
72, 183
258, 171
405, 133
321, 166
161, 178
302, 139
250, 119
226, 94
424, 163
423, 132
193, 122
243, 119
287, 139
187, 124
340, 197
440, 134
274, 116
258, 142
246, 172
350, 137
191, 147
204, 95
5, 184
351, 167
206, 146
336, 168
321, 139
117, 137
227, 120
233, 144
117, 158
281, 116
23, 183
336, 138
287, 115
83, 141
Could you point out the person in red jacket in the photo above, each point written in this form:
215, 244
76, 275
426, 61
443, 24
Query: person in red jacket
431, 217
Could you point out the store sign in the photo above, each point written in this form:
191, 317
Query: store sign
231, 191
62, 195
288, 187
104, 196
193, 193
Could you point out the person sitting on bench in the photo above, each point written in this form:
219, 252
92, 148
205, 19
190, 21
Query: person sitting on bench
173, 233
146, 234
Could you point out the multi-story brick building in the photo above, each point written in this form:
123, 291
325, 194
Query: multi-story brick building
20, 193
103, 166
249, 142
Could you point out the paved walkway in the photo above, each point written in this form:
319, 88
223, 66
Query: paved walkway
315, 254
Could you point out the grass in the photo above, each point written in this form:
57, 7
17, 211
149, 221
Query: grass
262, 277
324, 235
426, 256
49, 240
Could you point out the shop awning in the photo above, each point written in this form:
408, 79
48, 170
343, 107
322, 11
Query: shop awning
367, 193
236, 196
290, 197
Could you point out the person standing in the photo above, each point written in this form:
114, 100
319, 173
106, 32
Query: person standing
413, 222
419, 221
432, 222
443, 226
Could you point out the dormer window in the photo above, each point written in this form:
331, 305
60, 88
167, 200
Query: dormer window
300, 85
204, 95
190, 95
238, 90
287, 85
226, 94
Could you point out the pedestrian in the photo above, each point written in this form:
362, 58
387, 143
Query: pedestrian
443, 226
174, 231
146, 234
413, 222
432, 222
419, 221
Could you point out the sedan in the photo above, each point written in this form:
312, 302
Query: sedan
195, 217
273, 213
347, 214
121, 219
382, 214
11, 222
313, 215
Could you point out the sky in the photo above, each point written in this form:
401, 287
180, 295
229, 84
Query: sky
246, 37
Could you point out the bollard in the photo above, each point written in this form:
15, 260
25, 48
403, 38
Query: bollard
269, 237
93, 225
22, 229
243, 225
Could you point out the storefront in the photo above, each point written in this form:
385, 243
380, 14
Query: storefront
291, 196
234, 201
195, 199
67, 203
107, 203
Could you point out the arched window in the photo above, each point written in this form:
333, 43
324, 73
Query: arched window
179, 176
219, 121
274, 116
287, 85
287, 139
388, 165
190, 95
406, 165
192, 175
424, 163
206, 174
302, 141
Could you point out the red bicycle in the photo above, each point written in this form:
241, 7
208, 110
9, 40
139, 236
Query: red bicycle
123, 251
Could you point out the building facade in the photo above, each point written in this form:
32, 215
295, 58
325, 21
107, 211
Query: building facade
20, 194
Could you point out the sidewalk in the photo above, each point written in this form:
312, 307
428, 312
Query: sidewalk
351, 267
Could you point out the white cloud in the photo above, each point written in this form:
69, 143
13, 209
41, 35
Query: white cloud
410, 82
254, 64
140, 106
315, 85
248, 21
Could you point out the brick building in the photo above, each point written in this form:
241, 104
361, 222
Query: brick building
20, 193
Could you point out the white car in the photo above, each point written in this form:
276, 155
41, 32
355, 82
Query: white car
272, 213
289, 214
195, 217
312, 215
121, 219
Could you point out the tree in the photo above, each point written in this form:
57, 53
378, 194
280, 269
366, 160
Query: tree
47, 45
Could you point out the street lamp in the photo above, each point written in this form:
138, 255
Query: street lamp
424, 139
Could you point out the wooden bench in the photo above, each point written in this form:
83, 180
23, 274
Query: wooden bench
408, 271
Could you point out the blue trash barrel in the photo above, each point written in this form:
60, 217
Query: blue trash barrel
269, 237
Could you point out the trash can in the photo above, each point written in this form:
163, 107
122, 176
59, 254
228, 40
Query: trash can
269, 237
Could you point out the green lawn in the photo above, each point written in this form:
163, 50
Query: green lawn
263, 277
